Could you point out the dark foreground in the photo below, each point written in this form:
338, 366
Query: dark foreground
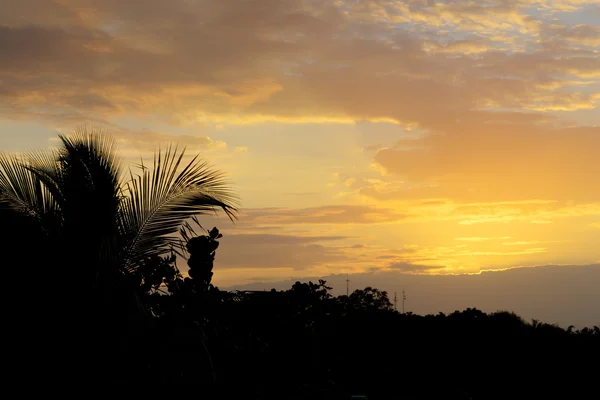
305, 344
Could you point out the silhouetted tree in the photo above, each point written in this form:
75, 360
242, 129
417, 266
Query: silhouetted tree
305, 343
369, 299
79, 228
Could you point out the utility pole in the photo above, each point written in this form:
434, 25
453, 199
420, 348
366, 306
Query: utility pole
403, 298
395, 301
347, 286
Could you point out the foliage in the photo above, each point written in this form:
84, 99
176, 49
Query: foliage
306, 343
98, 224
369, 299
89, 241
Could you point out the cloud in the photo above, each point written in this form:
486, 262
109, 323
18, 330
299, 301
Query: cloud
480, 239
521, 243
581, 34
274, 239
135, 143
291, 60
535, 250
507, 162
296, 243
330, 214
278, 251
408, 267
423, 237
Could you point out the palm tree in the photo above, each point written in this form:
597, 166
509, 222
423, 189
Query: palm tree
74, 221
73, 228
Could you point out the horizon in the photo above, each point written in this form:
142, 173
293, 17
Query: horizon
413, 140
544, 298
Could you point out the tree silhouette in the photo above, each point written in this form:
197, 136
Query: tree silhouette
369, 299
77, 228
101, 222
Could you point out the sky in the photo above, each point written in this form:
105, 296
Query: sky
399, 138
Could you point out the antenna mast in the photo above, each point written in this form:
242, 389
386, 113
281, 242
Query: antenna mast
403, 298
347, 286
395, 301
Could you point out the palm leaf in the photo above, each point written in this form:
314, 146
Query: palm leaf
44, 166
83, 176
96, 152
21, 192
161, 199
93, 185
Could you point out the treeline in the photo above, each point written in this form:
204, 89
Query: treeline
304, 343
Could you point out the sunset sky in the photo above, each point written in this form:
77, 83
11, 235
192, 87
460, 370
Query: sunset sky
416, 136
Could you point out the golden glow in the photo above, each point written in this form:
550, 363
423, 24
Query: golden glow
425, 138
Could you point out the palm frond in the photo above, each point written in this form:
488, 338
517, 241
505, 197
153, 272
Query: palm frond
44, 166
21, 191
83, 176
84, 168
95, 150
161, 199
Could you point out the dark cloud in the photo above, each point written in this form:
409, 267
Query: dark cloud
273, 239
408, 267
358, 246
278, 251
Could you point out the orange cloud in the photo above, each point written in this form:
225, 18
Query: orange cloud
504, 162
332, 214
288, 60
